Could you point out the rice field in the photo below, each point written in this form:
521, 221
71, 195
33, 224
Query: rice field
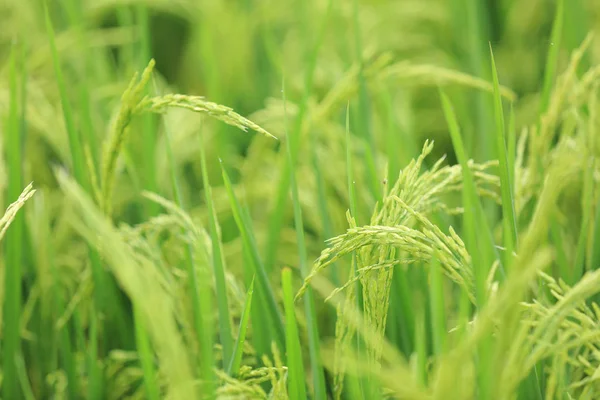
304, 199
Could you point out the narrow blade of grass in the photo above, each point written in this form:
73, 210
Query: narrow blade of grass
479, 239
149, 126
218, 265
259, 321
11, 342
66, 352
508, 208
105, 292
420, 347
438, 312
549, 76
582, 256
199, 291
361, 382
350, 168
296, 385
556, 237
595, 256
309, 301
576, 27
238, 348
206, 345
327, 229
151, 208
512, 149
95, 378
76, 149
69, 362
146, 356
264, 287
276, 220
402, 302
364, 111
552, 56
472, 21
479, 243
400, 138
26, 388
77, 24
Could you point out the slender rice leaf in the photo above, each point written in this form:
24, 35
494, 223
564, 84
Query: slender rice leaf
218, 265
12, 307
576, 26
552, 56
66, 351
264, 287
149, 124
76, 149
360, 384
582, 258
143, 343
238, 349
350, 168
146, 355
403, 302
595, 256
549, 76
199, 288
437, 304
262, 330
296, 385
89, 138
324, 213
309, 301
281, 199
420, 348
327, 230
105, 292
95, 381
508, 207
479, 242
26, 388
363, 116
589, 199
472, 19
512, 149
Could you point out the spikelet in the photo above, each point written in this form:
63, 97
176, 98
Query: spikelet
412, 197
134, 102
11, 211
198, 104
129, 102
376, 247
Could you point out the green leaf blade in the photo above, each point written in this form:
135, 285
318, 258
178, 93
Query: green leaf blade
508, 205
296, 385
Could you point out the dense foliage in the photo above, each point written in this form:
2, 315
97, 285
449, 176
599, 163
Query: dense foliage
299, 199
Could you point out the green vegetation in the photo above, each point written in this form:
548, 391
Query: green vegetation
305, 199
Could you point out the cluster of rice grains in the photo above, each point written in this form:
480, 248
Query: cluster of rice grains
529, 316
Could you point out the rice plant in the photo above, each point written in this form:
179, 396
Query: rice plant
299, 200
